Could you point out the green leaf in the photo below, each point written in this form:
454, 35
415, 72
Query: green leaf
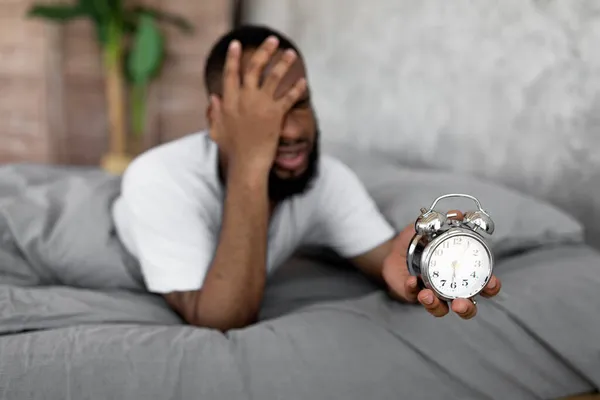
143, 63
100, 9
56, 13
109, 33
176, 20
147, 51
130, 22
107, 16
101, 32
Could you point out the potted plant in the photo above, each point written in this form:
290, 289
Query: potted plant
132, 46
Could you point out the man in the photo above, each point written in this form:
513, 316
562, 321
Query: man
208, 216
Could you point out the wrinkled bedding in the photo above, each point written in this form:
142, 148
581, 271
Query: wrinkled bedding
76, 323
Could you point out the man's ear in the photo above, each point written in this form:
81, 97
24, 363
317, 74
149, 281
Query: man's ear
210, 116
212, 113
209, 112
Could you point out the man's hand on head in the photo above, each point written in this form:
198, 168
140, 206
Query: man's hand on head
405, 288
246, 124
247, 121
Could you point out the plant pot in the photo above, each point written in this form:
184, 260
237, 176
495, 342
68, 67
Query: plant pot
116, 163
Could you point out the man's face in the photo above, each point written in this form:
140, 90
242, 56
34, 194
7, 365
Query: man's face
295, 164
285, 183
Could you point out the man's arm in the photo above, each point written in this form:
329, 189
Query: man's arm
233, 288
212, 278
371, 262
352, 225
387, 264
246, 124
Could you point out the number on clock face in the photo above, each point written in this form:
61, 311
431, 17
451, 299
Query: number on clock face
459, 267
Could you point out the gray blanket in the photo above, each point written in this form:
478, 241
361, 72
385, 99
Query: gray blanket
75, 322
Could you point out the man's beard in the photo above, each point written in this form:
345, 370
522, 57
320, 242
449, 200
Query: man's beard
283, 188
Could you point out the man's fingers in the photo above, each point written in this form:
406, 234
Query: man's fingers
432, 304
492, 288
411, 289
281, 68
259, 60
231, 72
464, 308
455, 214
293, 95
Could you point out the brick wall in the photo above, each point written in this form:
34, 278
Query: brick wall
23, 106
52, 106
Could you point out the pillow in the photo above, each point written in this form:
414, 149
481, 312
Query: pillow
521, 222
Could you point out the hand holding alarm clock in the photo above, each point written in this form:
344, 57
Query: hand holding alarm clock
446, 259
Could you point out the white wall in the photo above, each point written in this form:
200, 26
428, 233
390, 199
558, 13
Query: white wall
507, 89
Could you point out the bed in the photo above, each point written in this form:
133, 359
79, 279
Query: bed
76, 323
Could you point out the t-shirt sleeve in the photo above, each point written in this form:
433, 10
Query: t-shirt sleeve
349, 221
169, 230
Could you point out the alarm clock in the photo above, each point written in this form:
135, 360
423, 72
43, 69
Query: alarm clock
451, 256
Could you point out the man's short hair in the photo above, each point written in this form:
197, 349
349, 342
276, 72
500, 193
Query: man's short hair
250, 37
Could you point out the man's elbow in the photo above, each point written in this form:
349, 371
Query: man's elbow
200, 311
221, 322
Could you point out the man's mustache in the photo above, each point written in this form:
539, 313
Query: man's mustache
285, 143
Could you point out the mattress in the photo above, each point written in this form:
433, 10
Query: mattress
77, 323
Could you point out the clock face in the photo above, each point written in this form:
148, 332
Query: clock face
459, 266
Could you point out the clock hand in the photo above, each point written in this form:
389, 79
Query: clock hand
459, 261
464, 251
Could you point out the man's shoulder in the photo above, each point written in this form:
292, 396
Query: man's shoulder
181, 164
333, 170
338, 182
188, 151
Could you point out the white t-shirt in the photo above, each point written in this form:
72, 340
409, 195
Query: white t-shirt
169, 214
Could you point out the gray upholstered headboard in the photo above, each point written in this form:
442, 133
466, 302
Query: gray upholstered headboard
507, 90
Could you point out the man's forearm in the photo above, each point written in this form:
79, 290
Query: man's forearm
371, 263
233, 289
